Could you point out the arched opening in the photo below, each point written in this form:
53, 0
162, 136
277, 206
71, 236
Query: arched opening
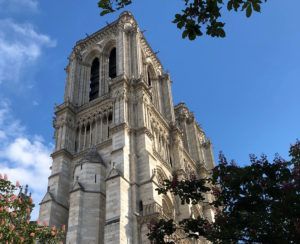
167, 207
77, 140
113, 63
149, 78
87, 136
104, 127
94, 85
141, 206
81, 139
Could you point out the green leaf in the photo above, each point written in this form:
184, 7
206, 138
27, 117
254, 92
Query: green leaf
229, 5
177, 16
103, 4
180, 24
249, 11
104, 12
192, 36
256, 6
222, 33
184, 34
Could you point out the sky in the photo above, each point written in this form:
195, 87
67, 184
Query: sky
243, 89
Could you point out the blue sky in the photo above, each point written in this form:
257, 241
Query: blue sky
244, 89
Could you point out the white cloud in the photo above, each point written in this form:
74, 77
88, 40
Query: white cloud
18, 5
9, 126
20, 46
23, 157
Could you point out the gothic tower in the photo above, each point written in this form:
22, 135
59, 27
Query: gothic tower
118, 136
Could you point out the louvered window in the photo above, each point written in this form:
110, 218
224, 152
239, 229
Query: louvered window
94, 85
113, 63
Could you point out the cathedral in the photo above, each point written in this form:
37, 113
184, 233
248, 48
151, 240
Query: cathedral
118, 136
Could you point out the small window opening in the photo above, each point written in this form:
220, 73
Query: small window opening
149, 79
95, 178
76, 146
81, 166
113, 63
87, 139
110, 117
76, 140
141, 207
94, 85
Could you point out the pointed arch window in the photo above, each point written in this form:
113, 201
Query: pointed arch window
113, 63
149, 79
94, 85
167, 207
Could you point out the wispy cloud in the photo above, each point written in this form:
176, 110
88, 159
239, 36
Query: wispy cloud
18, 5
23, 157
20, 46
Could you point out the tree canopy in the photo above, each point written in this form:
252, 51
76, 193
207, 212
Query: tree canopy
15, 224
197, 15
257, 203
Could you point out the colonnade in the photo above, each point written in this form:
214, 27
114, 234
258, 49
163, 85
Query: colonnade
93, 131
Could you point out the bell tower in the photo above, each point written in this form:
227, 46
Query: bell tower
118, 136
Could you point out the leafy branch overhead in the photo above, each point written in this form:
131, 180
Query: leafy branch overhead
196, 15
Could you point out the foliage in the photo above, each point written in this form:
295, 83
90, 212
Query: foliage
196, 14
15, 224
258, 203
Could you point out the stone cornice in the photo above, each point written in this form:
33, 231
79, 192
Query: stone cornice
66, 106
116, 176
54, 175
87, 191
119, 127
117, 150
62, 152
112, 221
119, 80
144, 130
140, 84
55, 201
99, 146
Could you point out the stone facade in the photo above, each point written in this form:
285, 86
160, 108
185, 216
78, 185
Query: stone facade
118, 136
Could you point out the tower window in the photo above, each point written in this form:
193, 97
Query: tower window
109, 117
113, 63
149, 79
141, 206
94, 85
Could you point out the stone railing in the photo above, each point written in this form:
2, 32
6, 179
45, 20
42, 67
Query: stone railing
152, 208
155, 209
